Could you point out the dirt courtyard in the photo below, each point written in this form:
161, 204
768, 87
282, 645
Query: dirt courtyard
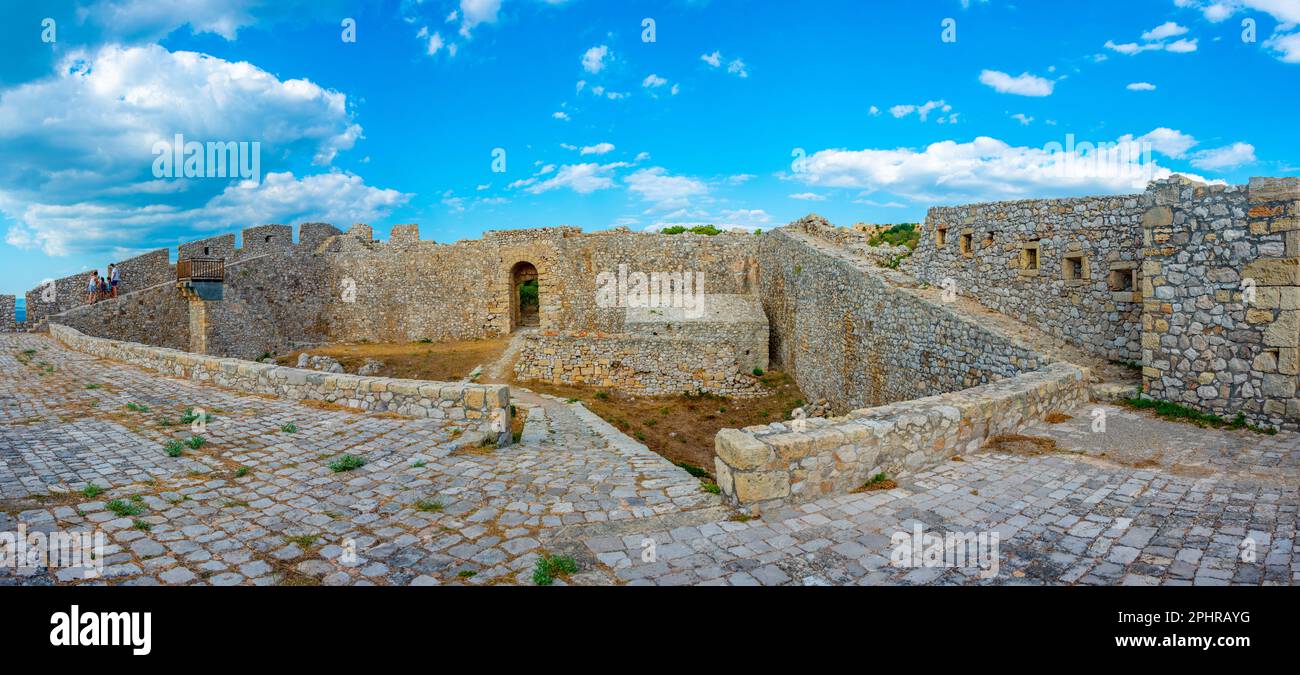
680, 428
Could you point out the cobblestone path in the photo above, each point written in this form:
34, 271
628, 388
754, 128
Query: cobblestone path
257, 503
1142, 502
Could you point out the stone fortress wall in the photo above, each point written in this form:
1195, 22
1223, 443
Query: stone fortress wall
1221, 299
914, 382
852, 333
1199, 284
1195, 283
1079, 287
408, 289
665, 351
8, 314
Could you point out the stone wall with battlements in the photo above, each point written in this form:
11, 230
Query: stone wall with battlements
275, 294
60, 295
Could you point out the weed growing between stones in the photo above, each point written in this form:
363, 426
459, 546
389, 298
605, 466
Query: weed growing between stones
1174, 411
173, 448
306, 541
190, 417
693, 470
347, 463
242, 471
429, 506
124, 508
137, 407
879, 482
141, 525
549, 567
289, 428
195, 442
91, 491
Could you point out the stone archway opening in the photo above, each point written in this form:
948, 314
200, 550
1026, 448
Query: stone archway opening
525, 296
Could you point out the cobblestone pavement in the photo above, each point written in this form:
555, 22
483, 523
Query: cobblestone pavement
1144, 502
258, 504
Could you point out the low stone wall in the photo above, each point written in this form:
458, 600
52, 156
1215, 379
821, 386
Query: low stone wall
8, 316
648, 365
488, 404
767, 466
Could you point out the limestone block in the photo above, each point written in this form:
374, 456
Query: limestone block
1284, 331
1274, 272
1273, 189
741, 450
723, 474
761, 486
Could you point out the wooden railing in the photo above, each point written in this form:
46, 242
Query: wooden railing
201, 269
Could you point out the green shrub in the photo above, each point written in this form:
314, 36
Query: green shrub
903, 234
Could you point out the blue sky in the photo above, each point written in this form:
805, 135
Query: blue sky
601, 128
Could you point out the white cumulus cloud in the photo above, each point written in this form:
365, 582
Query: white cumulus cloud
1021, 85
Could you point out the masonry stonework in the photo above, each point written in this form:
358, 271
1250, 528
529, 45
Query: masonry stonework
1063, 265
8, 314
667, 352
1196, 284
1221, 276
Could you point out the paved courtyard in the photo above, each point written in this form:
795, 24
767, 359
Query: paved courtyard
1142, 502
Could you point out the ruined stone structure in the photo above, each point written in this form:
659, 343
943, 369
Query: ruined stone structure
8, 315
1197, 285
666, 350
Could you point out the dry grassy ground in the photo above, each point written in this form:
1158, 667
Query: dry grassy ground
680, 428
441, 361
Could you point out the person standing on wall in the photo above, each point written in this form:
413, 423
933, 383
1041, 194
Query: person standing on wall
92, 286
114, 278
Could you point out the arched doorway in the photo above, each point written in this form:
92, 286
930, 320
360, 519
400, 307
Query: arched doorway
525, 299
